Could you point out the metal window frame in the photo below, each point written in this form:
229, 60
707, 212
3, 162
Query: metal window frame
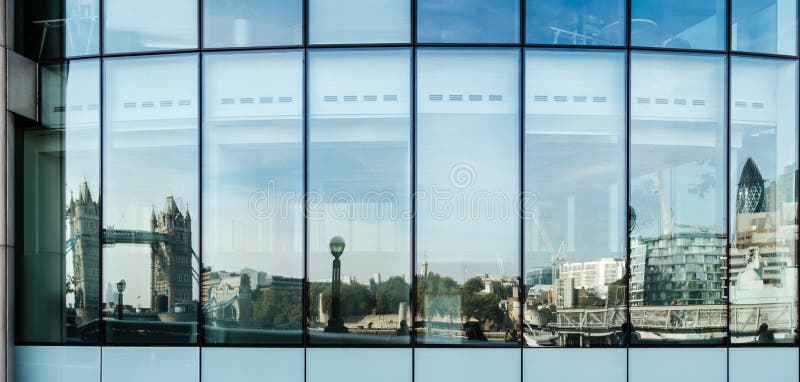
522, 46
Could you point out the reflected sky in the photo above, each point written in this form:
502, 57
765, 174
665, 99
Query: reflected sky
252, 160
765, 26
148, 25
252, 22
359, 161
575, 22
574, 154
468, 21
477, 231
359, 21
678, 24
677, 143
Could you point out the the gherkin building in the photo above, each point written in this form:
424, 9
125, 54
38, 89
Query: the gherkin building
750, 196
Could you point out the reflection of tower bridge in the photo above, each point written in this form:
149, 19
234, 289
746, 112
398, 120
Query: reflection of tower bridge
171, 253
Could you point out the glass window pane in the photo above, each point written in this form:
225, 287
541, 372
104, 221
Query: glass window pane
57, 268
82, 23
136, 364
247, 364
252, 197
151, 196
56, 29
763, 200
678, 24
467, 365
598, 365
359, 21
467, 223
346, 364
575, 22
252, 23
781, 363
57, 363
677, 194
359, 190
575, 232
764, 26
149, 25
468, 21
677, 364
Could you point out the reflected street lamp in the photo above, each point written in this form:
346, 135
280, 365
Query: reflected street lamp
120, 288
335, 323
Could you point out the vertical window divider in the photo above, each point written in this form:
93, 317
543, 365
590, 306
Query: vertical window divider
627, 242
305, 298
101, 193
797, 172
521, 206
200, 128
727, 151
413, 167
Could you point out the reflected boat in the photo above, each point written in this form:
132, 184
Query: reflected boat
538, 338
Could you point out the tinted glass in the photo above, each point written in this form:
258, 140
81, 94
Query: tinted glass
252, 23
340, 364
678, 24
575, 22
57, 363
468, 21
677, 194
665, 365
280, 364
359, 21
149, 25
132, 364
359, 190
252, 197
763, 194
82, 23
58, 251
764, 26
151, 199
600, 365
575, 167
48, 29
467, 223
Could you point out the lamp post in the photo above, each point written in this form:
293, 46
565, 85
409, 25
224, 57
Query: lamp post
335, 322
120, 288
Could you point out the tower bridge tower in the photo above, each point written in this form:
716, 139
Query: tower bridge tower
171, 260
84, 219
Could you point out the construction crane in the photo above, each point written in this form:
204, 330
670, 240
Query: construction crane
557, 256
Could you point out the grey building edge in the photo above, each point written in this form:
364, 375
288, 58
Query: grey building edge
6, 279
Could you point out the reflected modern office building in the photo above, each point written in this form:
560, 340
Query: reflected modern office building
400, 190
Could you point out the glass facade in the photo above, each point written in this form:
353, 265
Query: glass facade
409, 190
